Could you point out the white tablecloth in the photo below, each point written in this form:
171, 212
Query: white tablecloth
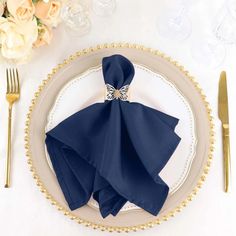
25, 211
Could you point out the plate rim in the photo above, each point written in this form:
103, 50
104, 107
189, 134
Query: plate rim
180, 206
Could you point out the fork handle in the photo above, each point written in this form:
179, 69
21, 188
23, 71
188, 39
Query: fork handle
8, 170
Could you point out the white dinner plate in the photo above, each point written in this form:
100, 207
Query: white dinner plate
148, 88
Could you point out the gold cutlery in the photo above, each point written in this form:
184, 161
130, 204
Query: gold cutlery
223, 114
12, 95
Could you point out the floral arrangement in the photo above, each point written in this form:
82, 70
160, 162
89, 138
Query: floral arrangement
26, 24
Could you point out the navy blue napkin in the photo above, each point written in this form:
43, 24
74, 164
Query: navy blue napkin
114, 150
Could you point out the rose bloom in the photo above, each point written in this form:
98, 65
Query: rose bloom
21, 9
44, 36
17, 37
2, 6
48, 12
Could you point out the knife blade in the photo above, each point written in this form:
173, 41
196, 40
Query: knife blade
223, 113
223, 99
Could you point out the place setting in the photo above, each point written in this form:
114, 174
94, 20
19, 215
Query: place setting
119, 136
109, 133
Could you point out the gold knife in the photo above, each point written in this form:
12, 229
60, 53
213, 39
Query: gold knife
223, 112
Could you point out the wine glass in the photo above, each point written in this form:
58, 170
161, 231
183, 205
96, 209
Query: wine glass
104, 7
225, 23
210, 50
174, 23
76, 17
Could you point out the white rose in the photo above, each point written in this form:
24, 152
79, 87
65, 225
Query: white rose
48, 12
44, 36
17, 38
21, 9
2, 6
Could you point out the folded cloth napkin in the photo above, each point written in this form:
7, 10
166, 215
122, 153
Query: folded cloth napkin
114, 150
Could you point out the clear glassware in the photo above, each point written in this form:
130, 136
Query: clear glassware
104, 7
210, 49
76, 18
174, 23
224, 27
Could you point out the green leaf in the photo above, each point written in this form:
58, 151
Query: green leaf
39, 23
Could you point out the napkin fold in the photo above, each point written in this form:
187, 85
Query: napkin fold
114, 150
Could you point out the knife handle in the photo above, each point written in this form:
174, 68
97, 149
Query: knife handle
226, 152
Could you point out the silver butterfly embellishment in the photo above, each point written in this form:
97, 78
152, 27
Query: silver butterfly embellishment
113, 93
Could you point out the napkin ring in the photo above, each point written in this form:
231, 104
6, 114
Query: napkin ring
113, 93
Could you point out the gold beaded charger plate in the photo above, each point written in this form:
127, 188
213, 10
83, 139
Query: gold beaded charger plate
77, 64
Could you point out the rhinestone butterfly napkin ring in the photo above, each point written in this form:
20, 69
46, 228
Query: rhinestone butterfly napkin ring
112, 93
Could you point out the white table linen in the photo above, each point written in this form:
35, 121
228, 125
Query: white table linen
24, 211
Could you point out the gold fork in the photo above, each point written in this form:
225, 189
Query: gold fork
12, 95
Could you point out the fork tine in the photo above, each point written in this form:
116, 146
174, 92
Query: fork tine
12, 82
8, 80
18, 82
